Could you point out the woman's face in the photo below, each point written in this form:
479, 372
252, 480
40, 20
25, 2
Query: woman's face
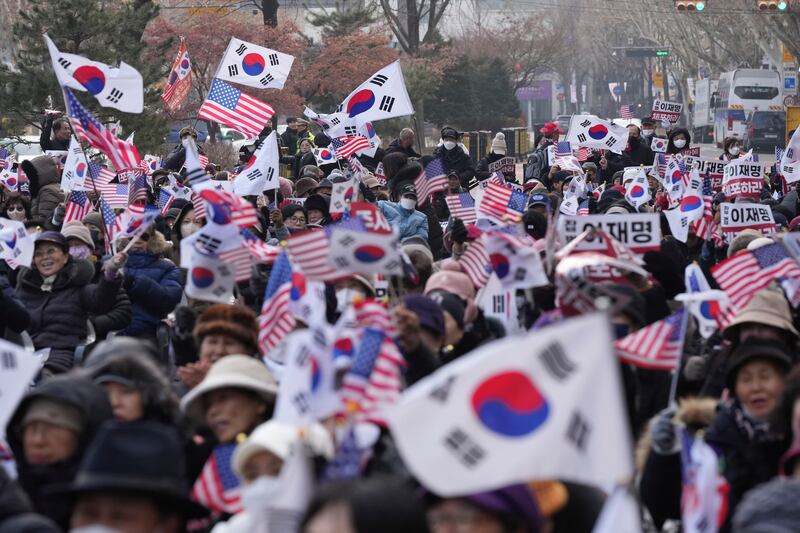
49, 259
190, 224
297, 221
44, 443
264, 463
459, 516
230, 412
140, 244
315, 216
214, 347
759, 385
334, 518
305, 147
15, 211
126, 402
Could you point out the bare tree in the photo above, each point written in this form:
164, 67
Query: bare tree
405, 19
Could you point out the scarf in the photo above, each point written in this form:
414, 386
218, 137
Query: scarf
47, 283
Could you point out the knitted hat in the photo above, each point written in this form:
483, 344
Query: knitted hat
304, 186
94, 218
234, 321
76, 230
428, 311
769, 508
499, 143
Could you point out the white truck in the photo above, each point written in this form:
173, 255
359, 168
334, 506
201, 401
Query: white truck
703, 112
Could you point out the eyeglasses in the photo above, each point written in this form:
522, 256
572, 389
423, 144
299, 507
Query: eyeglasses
298, 220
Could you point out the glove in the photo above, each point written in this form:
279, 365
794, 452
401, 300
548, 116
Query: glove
58, 215
663, 434
185, 318
695, 368
458, 231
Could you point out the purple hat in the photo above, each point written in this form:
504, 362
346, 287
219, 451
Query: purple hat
53, 237
514, 500
428, 311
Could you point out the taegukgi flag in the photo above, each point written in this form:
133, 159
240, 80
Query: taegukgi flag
76, 168
545, 405
120, 88
254, 66
261, 172
382, 96
594, 132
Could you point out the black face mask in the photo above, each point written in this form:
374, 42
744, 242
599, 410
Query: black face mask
621, 330
97, 238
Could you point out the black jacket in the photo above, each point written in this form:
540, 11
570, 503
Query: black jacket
456, 160
37, 480
177, 157
13, 314
395, 146
46, 142
482, 170
289, 139
640, 153
58, 317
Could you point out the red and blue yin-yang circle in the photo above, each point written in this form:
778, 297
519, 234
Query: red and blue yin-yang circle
368, 253
185, 63
316, 374
510, 404
325, 155
637, 191
133, 226
677, 176
90, 77
253, 64
597, 132
80, 170
343, 347
216, 204
298, 289
370, 130
500, 264
12, 242
11, 182
348, 194
690, 203
361, 102
709, 309
202, 278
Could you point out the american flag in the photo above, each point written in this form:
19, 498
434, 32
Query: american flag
462, 206
430, 180
275, 321
100, 175
109, 223
626, 112
347, 146
217, 488
583, 153
121, 153
372, 313
262, 251
241, 259
241, 212
563, 149
165, 199
658, 346
78, 206
203, 158
502, 203
703, 227
116, 194
746, 273
476, 264
134, 221
6, 158
309, 252
227, 105
137, 190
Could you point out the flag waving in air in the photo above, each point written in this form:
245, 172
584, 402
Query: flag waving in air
658, 346
230, 106
179, 81
254, 66
261, 172
382, 96
637, 191
120, 88
593, 132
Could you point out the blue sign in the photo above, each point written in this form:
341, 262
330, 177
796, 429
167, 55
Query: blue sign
617, 90
789, 83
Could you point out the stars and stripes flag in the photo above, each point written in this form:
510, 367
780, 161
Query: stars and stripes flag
563, 149
217, 488
746, 273
121, 153
230, 106
346, 464
116, 194
203, 158
433, 178
165, 199
658, 346
241, 259
502, 203
109, 224
626, 112
348, 146
275, 320
309, 252
78, 206
99, 174
137, 189
703, 226
462, 206
6, 158
372, 313
179, 81
134, 221
476, 264
262, 251
583, 153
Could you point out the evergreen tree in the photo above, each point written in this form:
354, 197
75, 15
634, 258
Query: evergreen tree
104, 31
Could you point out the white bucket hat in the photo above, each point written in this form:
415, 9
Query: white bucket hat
279, 438
231, 372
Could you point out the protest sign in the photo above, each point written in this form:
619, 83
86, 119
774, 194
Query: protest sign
737, 217
742, 179
372, 216
694, 151
638, 231
666, 111
715, 168
506, 165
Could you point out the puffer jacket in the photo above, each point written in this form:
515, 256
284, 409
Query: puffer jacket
58, 316
13, 314
37, 480
45, 185
409, 222
154, 288
456, 160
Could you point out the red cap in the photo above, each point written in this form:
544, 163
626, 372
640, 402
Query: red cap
550, 128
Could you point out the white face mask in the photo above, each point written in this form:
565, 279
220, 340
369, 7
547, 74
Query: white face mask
408, 203
679, 143
16, 213
449, 145
94, 529
188, 229
648, 132
257, 496
734, 150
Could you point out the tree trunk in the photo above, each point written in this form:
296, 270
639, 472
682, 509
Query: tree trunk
269, 8
419, 125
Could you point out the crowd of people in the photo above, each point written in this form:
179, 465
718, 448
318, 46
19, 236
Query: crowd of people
143, 387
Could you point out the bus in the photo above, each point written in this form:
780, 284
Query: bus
739, 93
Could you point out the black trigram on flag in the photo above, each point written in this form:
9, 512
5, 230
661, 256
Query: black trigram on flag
350, 130
465, 449
387, 102
233, 70
254, 175
242, 49
273, 59
499, 303
208, 243
379, 80
556, 361
266, 80
8, 360
114, 96
64, 62
578, 431
581, 137
335, 121
586, 123
270, 173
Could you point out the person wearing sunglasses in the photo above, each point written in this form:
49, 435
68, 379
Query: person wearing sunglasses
153, 284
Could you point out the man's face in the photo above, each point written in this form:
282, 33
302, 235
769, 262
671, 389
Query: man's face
633, 132
63, 132
453, 182
126, 513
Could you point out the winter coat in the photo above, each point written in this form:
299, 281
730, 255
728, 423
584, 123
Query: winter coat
641, 154
51, 144
38, 480
13, 314
435, 232
456, 160
45, 184
177, 157
538, 165
395, 146
16, 511
289, 139
58, 316
409, 222
154, 288
482, 170
116, 319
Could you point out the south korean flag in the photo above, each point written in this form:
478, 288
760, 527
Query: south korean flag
382, 96
593, 132
261, 172
254, 66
